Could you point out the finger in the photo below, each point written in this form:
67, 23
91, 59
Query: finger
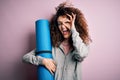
50, 69
53, 61
51, 72
74, 16
50, 65
53, 67
69, 16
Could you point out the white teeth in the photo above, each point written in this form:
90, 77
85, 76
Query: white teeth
64, 30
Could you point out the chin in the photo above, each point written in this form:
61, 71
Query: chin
66, 37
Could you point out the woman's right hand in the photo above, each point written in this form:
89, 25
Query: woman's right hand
49, 64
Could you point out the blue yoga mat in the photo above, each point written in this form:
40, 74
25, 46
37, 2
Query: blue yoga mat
43, 47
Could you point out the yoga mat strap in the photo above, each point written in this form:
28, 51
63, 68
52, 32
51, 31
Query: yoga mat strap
45, 51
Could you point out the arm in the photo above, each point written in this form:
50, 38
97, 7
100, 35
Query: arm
32, 59
78, 43
80, 47
38, 60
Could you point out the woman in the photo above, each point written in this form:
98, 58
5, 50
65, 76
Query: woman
70, 40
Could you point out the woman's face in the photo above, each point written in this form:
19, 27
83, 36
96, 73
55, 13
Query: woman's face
64, 26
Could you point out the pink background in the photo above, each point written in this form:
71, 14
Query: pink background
17, 37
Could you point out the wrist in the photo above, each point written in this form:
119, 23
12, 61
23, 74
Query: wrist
73, 29
44, 61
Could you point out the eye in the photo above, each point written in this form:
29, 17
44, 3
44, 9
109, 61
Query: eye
59, 23
67, 22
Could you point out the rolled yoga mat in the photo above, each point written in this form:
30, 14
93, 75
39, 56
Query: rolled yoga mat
43, 47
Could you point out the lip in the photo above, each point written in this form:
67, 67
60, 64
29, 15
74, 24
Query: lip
65, 32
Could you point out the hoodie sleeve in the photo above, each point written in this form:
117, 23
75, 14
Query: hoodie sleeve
32, 58
78, 43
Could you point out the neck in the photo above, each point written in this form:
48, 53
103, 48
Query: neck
66, 46
66, 42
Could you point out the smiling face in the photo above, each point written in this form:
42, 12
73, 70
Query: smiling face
64, 26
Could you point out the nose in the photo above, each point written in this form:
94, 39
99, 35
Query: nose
63, 26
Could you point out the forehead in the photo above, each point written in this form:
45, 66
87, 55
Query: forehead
62, 18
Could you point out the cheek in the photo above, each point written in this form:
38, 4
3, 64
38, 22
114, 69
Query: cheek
60, 29
68, 26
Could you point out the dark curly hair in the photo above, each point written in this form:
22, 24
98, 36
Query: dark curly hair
80, 24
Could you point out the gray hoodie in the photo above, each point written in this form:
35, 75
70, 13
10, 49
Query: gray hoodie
67, 68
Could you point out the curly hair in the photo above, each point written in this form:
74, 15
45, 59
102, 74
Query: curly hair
80, 24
